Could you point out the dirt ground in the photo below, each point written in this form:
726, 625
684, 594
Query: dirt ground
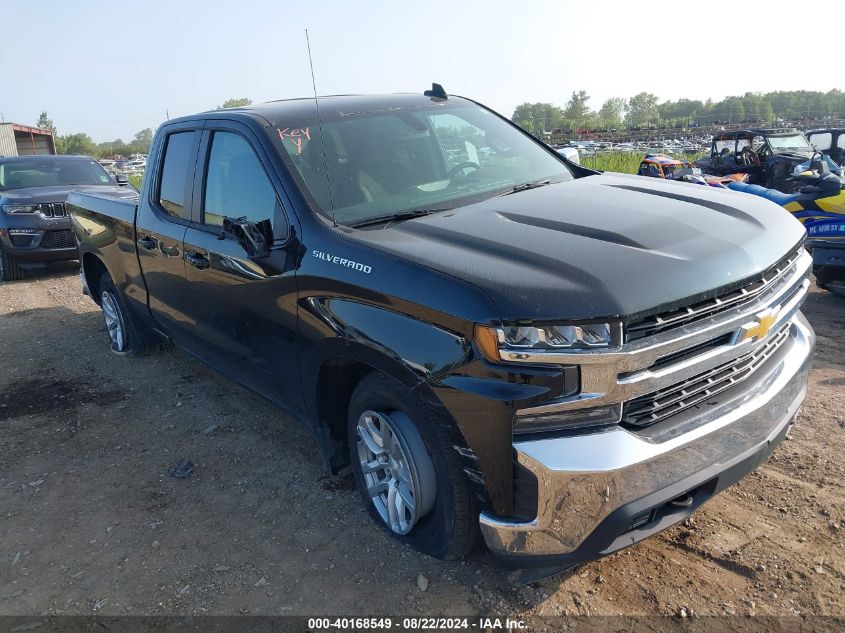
90, 522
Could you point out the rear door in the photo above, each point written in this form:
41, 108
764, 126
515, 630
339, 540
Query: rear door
162, 220
243, 309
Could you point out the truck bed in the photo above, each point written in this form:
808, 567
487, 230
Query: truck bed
121, 208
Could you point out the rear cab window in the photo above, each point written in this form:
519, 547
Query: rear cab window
180, 151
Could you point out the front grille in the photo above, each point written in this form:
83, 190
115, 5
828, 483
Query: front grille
655, 407
735, 298
21, 241
59, 239
52, 209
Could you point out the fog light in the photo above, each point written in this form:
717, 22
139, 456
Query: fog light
562, 420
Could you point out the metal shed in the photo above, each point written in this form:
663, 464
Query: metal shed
23, 140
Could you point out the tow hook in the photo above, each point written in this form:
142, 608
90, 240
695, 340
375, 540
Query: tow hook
684, 501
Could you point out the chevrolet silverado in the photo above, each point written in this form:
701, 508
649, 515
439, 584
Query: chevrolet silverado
490, 338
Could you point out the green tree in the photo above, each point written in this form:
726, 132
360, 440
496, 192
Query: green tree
238, 102
537, 117
576, 109
642, 110
46, 123
77, 144
141, 143
611, 112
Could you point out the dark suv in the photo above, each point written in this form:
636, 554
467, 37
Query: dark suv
34, 225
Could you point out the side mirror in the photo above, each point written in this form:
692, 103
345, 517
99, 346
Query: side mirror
571, 154
121, 179
256, 238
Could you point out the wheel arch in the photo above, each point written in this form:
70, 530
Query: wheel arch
93, 268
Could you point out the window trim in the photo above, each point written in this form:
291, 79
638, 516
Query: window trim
195, 128
281, 218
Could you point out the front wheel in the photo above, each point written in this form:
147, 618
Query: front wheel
407, 470
10, 270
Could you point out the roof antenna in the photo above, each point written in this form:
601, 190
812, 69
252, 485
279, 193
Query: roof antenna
436, 92
320, 126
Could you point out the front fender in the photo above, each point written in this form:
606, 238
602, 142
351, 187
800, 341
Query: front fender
442, 367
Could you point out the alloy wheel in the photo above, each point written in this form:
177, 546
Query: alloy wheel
114, 322
397, 469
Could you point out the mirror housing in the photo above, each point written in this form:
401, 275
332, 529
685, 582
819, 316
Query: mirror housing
121, 179
256, 238
570, 154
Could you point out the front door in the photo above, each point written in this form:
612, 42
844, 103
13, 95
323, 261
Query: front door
243, 309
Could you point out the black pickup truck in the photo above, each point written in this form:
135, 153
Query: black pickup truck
485, 334
34, 225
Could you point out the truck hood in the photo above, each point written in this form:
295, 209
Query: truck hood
601, 246
60, 193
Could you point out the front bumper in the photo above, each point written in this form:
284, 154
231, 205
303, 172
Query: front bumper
600, 492
39, 245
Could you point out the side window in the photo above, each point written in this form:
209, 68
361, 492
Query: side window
236, 184
178, 161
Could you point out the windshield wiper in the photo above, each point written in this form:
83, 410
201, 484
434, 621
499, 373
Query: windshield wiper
526, 186
396, 217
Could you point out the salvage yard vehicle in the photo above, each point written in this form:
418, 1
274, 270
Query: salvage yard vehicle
34, 225
830, 142
769, 157
662, 166
571, 361
820, 206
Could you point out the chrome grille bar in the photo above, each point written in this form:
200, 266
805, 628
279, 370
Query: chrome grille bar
662, 404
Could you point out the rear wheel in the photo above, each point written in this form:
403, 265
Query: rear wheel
10, 270
119, 325
407, 470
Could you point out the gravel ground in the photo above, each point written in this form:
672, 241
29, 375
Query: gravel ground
90, 522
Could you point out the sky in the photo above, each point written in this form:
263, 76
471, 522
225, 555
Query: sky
111, 69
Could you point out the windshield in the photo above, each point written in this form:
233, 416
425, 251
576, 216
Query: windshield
725, 144
794, 141
48, 172
434, 156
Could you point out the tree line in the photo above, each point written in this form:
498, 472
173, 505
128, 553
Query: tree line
644, 110
81, 143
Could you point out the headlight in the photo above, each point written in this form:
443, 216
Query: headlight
552, 338
20, 208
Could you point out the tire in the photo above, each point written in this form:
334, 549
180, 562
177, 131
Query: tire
10, 270
121, 329
445, 519
830, 279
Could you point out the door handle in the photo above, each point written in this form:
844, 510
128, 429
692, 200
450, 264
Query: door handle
197, 260
147, 242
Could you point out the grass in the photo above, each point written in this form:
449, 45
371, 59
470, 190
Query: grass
623, 162
136, 180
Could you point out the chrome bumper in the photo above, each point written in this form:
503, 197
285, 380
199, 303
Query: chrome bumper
593, 488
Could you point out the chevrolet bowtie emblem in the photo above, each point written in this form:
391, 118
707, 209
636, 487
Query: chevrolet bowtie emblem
760, 327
